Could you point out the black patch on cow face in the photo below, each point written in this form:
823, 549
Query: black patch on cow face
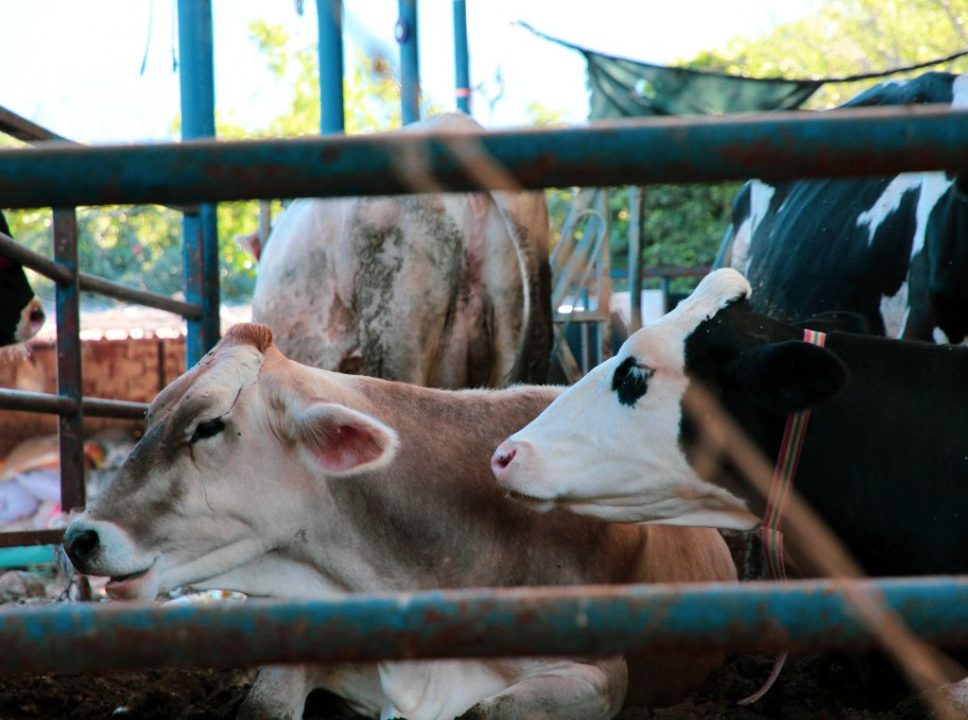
631, 380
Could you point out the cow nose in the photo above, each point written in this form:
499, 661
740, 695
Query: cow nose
80, 544
502, 458
36, 314
31, 320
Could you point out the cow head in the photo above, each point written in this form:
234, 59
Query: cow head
224, 483
21, 314
618, 444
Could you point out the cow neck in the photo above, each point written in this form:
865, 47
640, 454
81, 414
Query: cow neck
784, 475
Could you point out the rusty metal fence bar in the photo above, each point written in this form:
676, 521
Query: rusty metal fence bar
64, 404
578, 620
779, 146
61, 405
19, 127
92, 283
67, 299
24, 130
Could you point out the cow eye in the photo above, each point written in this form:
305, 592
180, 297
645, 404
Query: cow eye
631, 380
207, 429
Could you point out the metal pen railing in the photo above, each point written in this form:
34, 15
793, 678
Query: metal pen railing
578, 620
68, 404
784, 146
841, 143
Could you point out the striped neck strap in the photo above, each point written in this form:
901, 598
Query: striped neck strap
784, 474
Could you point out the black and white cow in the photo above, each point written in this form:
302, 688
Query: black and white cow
894, 249
884, 461
21, 314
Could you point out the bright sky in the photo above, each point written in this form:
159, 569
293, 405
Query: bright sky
75, 67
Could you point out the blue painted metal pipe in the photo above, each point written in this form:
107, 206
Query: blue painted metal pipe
200, 249
749, 617
330, 18
18, 557
406, 32
871, 141
461, 61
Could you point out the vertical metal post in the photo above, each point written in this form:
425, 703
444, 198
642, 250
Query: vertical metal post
666, 294
406, 33
330, 17
604, 338
461, 61
71, 426
635, 257
265, 223
197, 81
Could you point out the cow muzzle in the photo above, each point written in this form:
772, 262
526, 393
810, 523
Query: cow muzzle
80, 544
102, 548
509, 465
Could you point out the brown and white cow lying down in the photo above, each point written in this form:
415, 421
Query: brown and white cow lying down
444, 290
262, 475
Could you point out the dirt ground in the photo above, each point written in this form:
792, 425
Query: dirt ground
811, 687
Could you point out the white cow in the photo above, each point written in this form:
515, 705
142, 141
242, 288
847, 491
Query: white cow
268, 477
443, 290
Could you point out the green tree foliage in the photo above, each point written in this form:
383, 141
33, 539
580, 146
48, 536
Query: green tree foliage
850, 37
683, 224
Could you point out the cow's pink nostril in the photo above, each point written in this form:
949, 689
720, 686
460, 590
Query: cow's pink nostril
502, 458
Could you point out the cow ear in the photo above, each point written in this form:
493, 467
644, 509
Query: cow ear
790, 376
342, 441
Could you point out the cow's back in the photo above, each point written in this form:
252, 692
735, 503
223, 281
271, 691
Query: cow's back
443, 290
302, 290
892, 249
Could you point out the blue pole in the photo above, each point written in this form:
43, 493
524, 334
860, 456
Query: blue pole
409, 61
461, 63
801, 616
197, 81
778, 146
330, 16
